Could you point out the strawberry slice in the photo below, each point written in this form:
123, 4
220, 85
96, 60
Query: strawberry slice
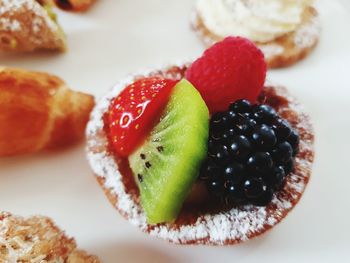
135, 111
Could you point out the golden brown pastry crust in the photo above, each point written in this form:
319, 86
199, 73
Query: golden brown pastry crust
26, 26
283, 51
38, 111
193, 226
37, 239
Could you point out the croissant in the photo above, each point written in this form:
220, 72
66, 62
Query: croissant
38, 111
28, 25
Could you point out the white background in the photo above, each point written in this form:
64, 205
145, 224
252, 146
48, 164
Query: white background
122, 36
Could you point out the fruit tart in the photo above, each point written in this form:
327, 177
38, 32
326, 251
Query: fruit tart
286, 31
203, 152
28, 25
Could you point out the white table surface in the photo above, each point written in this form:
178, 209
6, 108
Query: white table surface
118, 37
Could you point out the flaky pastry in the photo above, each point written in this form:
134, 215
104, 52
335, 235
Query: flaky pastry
38, 111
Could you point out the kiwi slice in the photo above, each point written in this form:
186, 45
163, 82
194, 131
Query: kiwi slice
167, 164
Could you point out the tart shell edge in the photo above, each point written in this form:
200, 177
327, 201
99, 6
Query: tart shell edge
226, 228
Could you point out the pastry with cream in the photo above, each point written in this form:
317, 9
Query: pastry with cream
285, 30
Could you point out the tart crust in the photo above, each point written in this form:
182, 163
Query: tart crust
215, 228
283, 51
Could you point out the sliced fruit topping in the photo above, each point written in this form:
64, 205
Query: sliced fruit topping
167, 164
230, 70
250, 154
134, 112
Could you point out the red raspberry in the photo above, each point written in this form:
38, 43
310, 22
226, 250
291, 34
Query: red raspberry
229, 70
134, 112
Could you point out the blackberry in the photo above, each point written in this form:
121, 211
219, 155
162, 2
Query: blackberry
215, 186
264, 113
234, 172
264, 137
283, 152
219, 154
240, 147
251, 151
240, 106
260, 163
280, 176
234, 193
245, 125
293, 139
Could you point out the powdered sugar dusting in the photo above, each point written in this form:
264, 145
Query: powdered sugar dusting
233, 226
26, 26
8, 24
272, 50
10, 8
308, 33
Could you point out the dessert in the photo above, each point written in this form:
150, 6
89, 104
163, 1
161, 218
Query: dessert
37, 239
227, 157
286, 31
28, 25
38, 111
72, 5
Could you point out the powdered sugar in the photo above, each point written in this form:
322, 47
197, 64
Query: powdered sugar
9, 10
235, 225
308, 33
271, 50
36, 24
8, 24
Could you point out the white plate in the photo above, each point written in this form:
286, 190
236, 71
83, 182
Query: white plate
119, 37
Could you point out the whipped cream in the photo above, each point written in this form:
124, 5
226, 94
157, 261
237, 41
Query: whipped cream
259, 20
